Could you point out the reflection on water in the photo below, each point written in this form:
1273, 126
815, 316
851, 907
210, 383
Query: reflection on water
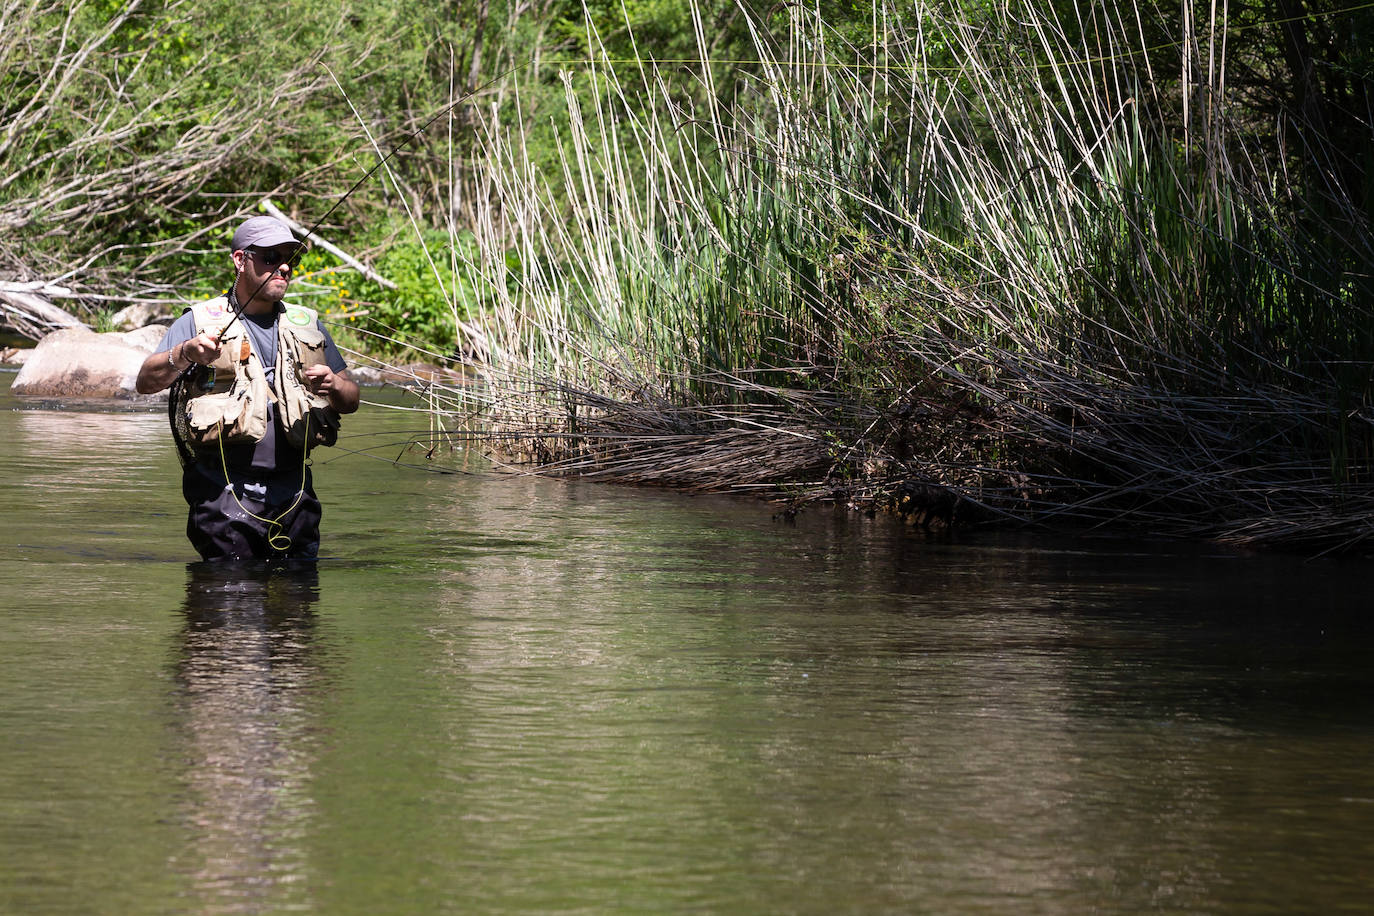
247, 670
76, 451
65, 430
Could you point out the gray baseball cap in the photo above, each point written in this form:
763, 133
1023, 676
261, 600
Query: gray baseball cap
263, 232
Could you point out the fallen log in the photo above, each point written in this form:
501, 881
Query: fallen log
479, 343
339, 253
28, 309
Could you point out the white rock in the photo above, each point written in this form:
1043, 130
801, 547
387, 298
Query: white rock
79, 363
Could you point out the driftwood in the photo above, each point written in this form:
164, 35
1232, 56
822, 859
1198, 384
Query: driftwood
27, 307
272, 210
478, 344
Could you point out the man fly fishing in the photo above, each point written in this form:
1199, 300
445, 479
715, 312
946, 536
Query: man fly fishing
256, 384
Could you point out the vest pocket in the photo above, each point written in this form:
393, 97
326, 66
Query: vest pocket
307, 345
235, 417
306, 417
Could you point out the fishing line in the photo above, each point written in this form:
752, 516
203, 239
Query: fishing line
294, 259
275, 538
1229, 29
177, 394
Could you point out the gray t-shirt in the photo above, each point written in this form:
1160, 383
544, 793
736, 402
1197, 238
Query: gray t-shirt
266, 455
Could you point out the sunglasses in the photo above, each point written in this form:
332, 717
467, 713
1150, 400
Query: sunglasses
269, 256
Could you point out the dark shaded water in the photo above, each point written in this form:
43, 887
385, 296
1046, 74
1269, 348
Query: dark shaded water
503, 695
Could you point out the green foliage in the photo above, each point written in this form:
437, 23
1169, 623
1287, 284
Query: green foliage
433, 286
102, 321
138, 132
816, 191
432, 289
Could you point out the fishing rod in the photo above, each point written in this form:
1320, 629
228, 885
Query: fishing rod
294, 259
196, 373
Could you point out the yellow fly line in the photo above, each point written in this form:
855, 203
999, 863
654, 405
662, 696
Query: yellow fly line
275, 538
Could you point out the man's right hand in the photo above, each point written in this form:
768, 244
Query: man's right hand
162, 369
204, 348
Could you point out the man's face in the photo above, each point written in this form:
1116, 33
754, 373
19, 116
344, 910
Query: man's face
265, 272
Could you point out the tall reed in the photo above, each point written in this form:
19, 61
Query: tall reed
974, 258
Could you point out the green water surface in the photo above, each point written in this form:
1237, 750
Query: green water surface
499, 694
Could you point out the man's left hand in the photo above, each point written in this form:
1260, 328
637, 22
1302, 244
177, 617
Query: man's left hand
337, 387
320, 378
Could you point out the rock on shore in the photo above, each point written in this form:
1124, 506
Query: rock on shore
79, 363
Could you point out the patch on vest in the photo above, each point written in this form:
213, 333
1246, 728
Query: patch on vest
297, 317
214, 310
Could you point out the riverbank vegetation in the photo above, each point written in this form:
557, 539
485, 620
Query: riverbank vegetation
1078, 264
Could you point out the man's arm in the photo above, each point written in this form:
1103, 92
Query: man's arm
180, 347
158, 371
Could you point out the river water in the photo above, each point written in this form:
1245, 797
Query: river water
500, 694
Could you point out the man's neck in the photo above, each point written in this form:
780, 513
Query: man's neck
257, 306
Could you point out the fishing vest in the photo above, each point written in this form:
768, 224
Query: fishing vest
238, 414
